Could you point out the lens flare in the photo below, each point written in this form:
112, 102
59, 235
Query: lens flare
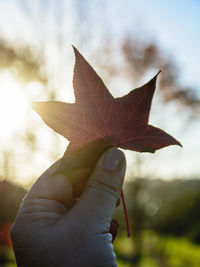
13, 106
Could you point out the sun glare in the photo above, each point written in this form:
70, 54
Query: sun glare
13, 106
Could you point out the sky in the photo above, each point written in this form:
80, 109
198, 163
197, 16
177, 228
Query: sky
174, 25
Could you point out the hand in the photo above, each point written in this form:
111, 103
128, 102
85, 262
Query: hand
53, 229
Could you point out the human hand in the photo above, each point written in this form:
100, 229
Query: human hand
53, 229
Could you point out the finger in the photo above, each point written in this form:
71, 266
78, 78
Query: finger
99, 200
79, 179
79, 175
58, 187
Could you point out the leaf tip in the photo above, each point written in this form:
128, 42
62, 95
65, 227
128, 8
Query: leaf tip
73, 46
37, 106
34, 105
155, 77
76, 52
158, 72
176, 142
153, 80
179, 144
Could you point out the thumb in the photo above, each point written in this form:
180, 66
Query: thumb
97, 204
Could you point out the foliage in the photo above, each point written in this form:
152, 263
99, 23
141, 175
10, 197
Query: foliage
23, 61
168, 207
142, 56
10, 199
158, 251
7, 258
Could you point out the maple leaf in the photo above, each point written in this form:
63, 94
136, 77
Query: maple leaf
97, 120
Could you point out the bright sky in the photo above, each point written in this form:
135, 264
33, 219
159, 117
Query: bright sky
176, 24
173, 24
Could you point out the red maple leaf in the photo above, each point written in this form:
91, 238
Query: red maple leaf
97, 120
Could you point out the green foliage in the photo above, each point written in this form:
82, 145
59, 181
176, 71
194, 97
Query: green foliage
167, 207
7, 258
179, 214
158, 251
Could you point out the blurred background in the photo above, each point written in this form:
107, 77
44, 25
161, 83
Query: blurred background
127, 42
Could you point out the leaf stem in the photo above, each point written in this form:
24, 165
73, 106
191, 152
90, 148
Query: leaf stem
125, 213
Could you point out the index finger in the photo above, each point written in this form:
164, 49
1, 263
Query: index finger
59, 187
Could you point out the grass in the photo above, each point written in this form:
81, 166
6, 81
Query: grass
158, 251
7, 258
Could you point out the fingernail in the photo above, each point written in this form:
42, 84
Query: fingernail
114, 225
114, 160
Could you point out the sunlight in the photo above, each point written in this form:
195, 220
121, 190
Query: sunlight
13, 106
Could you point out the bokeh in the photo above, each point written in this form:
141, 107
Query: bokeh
127, 42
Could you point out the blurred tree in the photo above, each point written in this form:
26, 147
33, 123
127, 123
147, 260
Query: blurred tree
23, 61
179, 213
142, 57
10, 198
138, 58
167, 207
137, 218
